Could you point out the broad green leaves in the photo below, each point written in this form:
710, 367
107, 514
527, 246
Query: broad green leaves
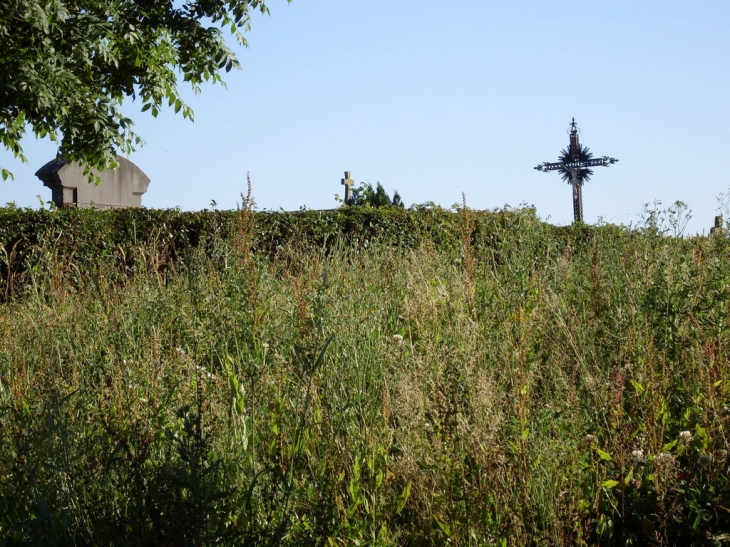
66, 67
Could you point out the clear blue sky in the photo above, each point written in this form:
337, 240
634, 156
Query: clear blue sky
438, 98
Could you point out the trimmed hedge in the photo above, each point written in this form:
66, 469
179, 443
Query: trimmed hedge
91, 238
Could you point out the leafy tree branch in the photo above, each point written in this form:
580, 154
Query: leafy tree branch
67, 65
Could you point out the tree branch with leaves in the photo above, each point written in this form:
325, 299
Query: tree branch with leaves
67, 66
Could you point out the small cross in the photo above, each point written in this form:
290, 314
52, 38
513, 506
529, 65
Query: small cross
348, 182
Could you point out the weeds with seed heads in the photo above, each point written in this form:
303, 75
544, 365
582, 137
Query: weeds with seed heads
523, 389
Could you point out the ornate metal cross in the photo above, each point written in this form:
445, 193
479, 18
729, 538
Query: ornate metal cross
574, 164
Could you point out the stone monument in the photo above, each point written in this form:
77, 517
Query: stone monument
348, 182
717, 230
121, 187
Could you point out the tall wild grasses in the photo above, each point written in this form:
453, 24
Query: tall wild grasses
525, 389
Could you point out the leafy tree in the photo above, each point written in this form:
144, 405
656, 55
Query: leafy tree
67, 65
397, 201
367, 196
380, 198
